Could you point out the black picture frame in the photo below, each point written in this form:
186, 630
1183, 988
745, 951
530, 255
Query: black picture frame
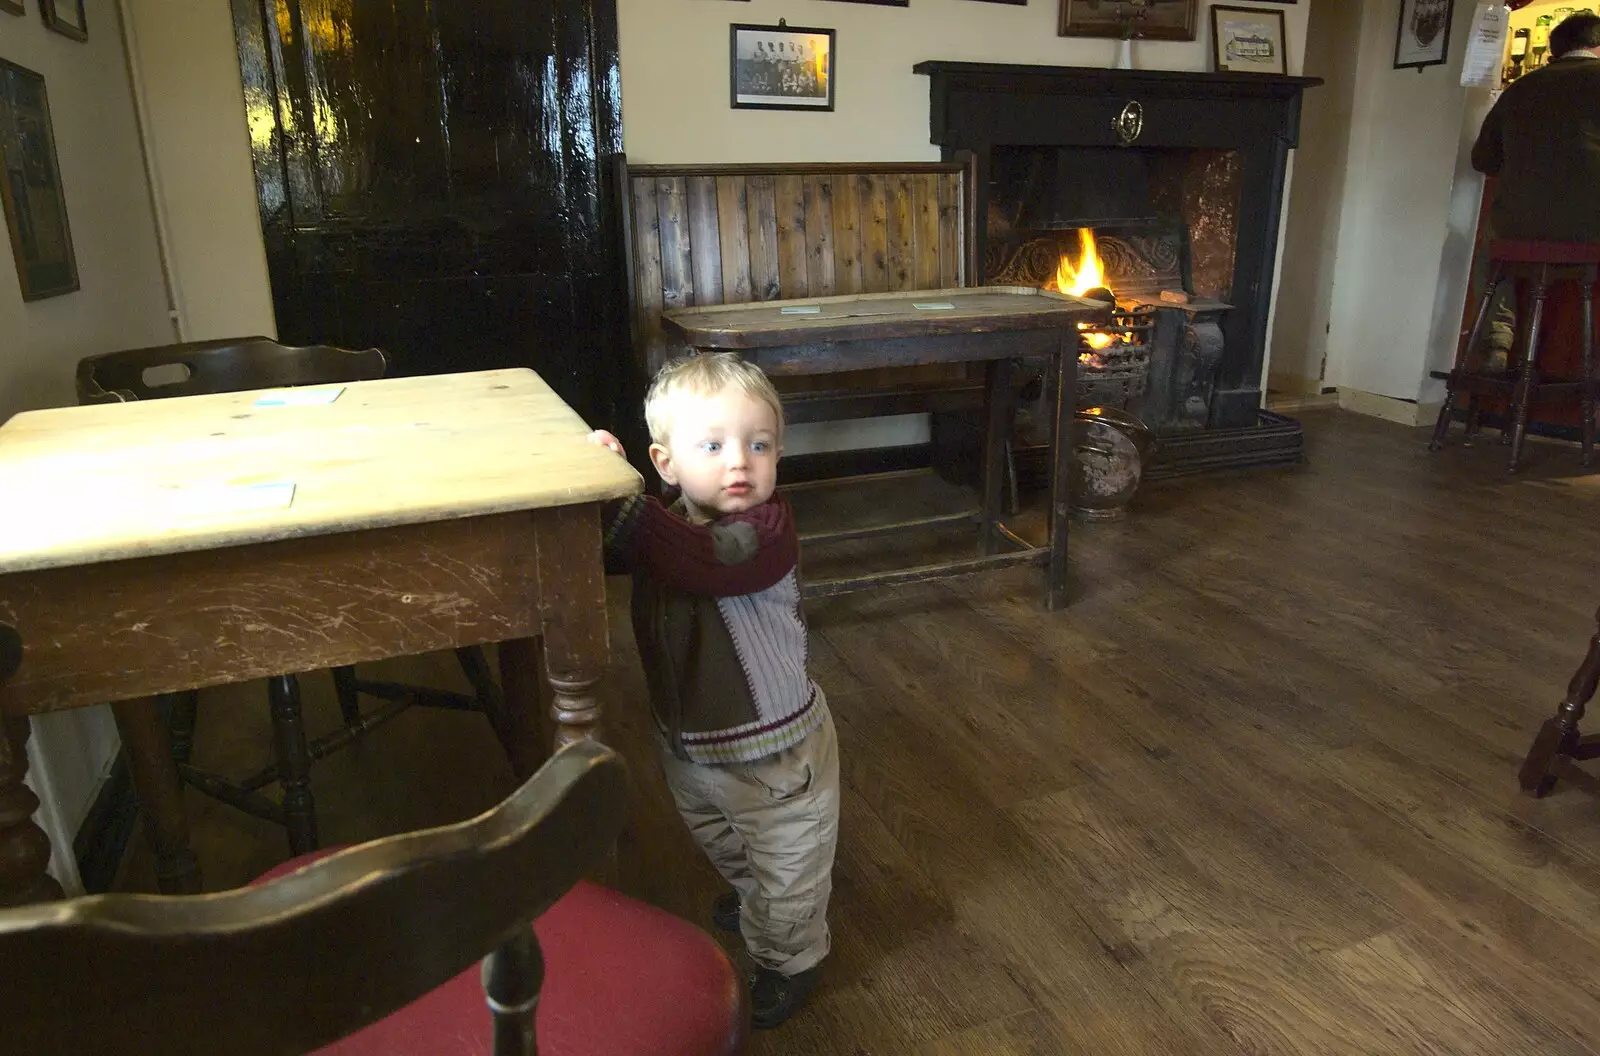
30, 187
65, 17
883, 3
1422, 35
13, 7
753, 86
1223, 63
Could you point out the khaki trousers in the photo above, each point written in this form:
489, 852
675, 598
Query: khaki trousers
770, 827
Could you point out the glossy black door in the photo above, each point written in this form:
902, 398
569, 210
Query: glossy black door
431, 178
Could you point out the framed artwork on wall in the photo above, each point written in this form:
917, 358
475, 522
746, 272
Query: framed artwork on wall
13, 7
880, 3
1141, 19
30, 187
65, 17
780, 67
1248, 40
1423, 36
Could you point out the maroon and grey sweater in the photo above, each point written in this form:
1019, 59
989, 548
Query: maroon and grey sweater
716, 613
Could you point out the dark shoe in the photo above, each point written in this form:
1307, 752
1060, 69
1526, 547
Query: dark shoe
775, 997
725, 911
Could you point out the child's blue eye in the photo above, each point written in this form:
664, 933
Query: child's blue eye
760, 447
711, 447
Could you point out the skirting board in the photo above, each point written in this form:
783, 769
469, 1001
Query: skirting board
1401, 412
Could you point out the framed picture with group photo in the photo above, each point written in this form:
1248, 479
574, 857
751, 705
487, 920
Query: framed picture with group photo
781, 67
1140, 19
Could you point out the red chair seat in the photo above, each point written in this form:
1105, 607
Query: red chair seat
621, 978
1515, 251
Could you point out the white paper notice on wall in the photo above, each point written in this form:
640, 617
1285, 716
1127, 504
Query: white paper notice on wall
1486, 47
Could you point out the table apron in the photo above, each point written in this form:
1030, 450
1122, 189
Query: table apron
124, 629
832, 357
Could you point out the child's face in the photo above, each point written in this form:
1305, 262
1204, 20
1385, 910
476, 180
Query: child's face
722, 453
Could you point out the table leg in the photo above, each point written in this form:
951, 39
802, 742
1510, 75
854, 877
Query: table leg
155, 779
24, 848
1001, 405
572, 596
515, 717
1065, 366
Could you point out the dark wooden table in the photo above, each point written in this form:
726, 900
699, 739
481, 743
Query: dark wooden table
996, 325
150, 547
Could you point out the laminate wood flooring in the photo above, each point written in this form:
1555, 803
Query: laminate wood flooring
1253, 792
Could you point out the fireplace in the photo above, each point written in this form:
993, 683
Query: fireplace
1178, 178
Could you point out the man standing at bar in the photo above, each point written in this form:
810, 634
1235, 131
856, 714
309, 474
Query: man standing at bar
1542, 140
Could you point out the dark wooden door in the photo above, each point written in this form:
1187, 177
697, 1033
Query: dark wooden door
432, 180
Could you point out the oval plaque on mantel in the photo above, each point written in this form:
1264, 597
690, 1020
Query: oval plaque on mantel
1130, 122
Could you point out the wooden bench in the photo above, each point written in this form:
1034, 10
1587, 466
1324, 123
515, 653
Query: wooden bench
700, 235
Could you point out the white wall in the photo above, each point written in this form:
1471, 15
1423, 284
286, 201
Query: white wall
675, 73
122, 304
1311, 222
186, 73
1399, 218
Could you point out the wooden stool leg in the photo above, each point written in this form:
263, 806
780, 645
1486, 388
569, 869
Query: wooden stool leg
1591, 274
1002, 422
24, 848
155, 778
344, 684
294, 763
1062, 464
1474, 337
1559, 735
516, 717
1528, 377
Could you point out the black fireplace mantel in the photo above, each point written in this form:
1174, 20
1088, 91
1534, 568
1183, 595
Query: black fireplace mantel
977, 107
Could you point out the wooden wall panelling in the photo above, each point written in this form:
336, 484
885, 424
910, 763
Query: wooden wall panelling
847, 240
677, 275
819, 236
762, 210
793, 277
950, 253
705, 249
646, 245
733, 234
875, 230
902, 234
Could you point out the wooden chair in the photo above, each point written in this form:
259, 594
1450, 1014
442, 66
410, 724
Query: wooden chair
355, 946
1558, 738
241, 364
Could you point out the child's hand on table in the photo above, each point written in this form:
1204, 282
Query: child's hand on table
605, 439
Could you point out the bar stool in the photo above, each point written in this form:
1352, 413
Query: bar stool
1544, 264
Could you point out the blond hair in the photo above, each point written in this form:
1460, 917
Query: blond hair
703, 374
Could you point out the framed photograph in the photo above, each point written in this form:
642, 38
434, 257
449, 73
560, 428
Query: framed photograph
1423, 36
12, 6
65, 17
30, 187
781, 67
880, 3
1147, 19
1248, 40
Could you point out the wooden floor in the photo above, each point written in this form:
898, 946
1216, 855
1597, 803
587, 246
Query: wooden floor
1254, 792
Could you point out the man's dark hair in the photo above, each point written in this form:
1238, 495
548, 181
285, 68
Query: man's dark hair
1574, 32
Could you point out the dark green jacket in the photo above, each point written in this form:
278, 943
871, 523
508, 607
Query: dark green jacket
1542, 140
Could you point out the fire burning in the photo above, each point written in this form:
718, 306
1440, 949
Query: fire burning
1079, 278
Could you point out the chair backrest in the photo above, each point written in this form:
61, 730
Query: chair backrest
236, 364
729, 234
296, 963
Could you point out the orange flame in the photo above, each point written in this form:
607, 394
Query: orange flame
1088, 273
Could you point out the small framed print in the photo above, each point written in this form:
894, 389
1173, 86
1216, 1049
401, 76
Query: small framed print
1423, 36
1248, 40
781, 67
65, 17
12, 7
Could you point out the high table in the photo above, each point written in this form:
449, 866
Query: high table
992, 324
153, 547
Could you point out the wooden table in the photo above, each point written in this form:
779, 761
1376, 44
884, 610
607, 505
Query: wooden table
992, 324
153, 547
